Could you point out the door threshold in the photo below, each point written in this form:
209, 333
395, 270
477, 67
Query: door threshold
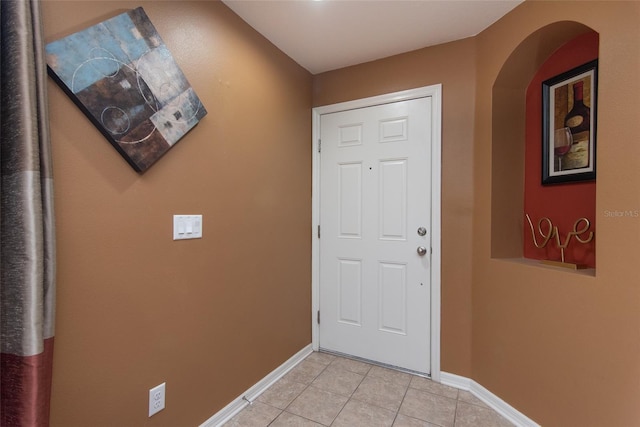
375, 363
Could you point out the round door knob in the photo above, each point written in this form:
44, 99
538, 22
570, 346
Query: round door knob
422, 251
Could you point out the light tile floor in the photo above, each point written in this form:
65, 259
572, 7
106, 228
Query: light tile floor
327, 390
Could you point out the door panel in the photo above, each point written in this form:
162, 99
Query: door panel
350, 195
393, 297
350, 284
393, 200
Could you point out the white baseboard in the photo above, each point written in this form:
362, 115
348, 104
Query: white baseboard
226, 413
493, 401
453, 380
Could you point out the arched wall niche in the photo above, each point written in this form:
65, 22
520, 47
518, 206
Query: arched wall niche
508, 132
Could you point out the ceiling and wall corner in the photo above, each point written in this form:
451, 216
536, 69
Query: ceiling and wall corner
327, 35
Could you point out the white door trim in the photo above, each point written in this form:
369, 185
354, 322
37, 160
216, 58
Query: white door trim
435, 92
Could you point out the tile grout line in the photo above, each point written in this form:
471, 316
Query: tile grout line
298, 395
345, 403
352, 393
350, 397
305, 389
378, 375
406, 390
455, 412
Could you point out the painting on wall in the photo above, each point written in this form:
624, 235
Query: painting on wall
569, 125
122, 76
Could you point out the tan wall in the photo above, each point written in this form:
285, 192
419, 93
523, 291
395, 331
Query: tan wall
452, 65
212, 316
562, 347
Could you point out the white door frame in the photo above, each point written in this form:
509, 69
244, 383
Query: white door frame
435, 92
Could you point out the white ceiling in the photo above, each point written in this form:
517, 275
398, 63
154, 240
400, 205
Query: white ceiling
323, 35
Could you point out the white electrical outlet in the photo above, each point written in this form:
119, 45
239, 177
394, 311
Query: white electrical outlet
156, 399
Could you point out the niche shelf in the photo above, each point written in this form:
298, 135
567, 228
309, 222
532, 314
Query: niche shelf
511, 135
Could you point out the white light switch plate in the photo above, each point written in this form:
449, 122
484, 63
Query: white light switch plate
187, 227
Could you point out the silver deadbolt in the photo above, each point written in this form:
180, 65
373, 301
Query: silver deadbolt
422, 251
422, 231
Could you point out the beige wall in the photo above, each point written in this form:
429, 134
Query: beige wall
562, 347
212, 316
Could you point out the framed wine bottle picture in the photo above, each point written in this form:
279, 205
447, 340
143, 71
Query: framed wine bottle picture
569, 125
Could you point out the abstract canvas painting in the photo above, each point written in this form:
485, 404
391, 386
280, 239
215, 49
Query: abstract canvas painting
123, 77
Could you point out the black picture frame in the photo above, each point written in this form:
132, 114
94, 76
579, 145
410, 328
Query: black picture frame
575, 162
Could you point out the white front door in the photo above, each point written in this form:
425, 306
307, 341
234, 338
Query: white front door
375, 242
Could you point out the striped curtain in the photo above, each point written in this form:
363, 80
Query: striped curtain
27, 245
